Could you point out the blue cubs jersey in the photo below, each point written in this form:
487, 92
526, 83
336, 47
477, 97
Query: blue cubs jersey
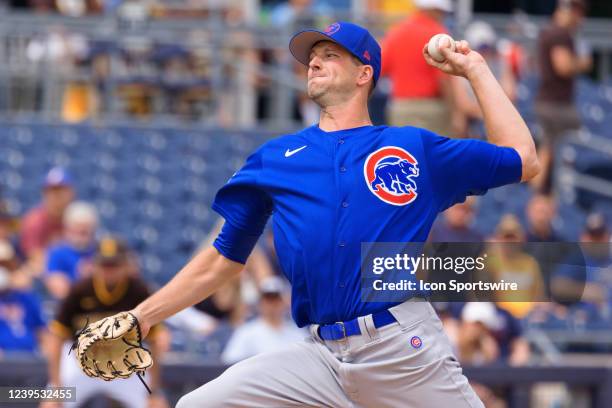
331, 191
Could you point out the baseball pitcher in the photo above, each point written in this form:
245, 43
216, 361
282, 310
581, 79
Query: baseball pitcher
331, 187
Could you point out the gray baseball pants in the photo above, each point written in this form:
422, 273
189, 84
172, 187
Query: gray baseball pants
405, 364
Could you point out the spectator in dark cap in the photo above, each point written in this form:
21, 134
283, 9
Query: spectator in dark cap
586, 278
111, 289
42, 225
547, 247
561, 61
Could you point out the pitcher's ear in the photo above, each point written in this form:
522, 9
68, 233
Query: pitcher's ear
367, 72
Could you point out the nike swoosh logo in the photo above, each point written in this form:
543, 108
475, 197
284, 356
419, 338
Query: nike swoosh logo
290, 153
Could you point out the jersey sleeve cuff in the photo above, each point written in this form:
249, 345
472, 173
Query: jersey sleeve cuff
235, 243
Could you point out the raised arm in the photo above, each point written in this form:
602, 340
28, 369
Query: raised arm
505, 126
200, 278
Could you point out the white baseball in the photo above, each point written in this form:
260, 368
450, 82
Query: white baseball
433, 47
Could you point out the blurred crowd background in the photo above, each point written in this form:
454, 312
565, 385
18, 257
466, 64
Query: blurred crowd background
119, 120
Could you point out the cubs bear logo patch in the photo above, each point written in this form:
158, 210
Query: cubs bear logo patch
389, 173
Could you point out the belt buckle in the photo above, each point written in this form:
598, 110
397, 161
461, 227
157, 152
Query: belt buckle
344, 336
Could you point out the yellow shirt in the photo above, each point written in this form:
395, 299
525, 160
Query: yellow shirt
392, 7
525, 271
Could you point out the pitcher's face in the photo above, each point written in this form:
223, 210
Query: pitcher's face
332, 72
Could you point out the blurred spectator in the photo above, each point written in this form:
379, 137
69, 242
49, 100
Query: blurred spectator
59, 51
21, 321
561, 61
228, 306
138, 87
10, 258
258, 267
21, 278
8, 230
476, 344
297, 13
513, 347
467, 120
225, 304
457, 224
587, 276
42, 226
267, 332
291, 15
183, 92
508, 261
68, 261
484, 337
194, 321
39, 6
72, 8
422, 102
541, 211
546, 245
110, 290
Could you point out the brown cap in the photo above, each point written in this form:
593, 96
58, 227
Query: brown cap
111, 250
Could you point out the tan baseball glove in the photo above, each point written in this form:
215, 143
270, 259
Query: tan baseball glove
112, 348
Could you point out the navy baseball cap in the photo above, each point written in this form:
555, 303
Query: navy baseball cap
355, 39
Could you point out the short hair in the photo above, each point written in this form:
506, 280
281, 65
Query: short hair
358, 62
81, 211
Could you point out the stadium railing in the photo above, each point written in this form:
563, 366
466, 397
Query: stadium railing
44, 82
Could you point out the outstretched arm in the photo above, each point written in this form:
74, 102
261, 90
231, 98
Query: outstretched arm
505, 126
200, 278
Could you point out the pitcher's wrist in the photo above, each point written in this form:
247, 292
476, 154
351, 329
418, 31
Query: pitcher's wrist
476, 70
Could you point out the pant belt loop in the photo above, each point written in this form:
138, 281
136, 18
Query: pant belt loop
367, 323
314, 328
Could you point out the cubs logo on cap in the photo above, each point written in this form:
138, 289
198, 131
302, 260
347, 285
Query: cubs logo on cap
332, 28
416, 342
389, 174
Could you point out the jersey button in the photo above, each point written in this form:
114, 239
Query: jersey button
341, 285
342, 243
345, 204
342, 169
341, 141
